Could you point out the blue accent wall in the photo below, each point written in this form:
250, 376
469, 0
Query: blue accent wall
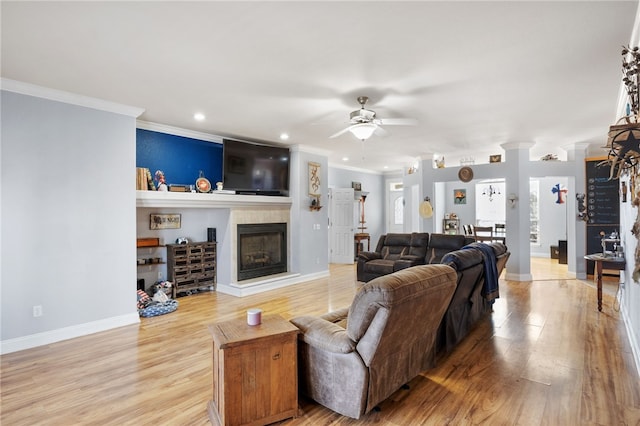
180, 158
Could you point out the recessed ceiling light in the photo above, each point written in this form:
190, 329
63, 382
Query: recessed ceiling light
345, 158
284, 136
385, 167
198, 116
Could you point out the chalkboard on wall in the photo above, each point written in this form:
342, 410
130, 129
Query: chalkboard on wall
603, 205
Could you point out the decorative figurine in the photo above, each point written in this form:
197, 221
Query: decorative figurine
162, 184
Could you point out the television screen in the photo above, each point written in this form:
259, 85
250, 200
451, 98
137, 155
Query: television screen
255, 169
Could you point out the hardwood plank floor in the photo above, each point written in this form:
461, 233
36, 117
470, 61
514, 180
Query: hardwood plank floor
545, 356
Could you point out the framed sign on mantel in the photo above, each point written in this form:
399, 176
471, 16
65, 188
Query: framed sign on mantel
315, 185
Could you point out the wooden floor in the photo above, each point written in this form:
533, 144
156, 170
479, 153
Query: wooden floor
545, 356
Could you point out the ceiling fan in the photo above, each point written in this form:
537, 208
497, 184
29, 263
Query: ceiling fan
363, 122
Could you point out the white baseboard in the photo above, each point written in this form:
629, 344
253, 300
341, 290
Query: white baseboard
47, 337
635, 349
518, 277
256, 286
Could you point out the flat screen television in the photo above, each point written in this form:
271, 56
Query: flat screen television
250, 168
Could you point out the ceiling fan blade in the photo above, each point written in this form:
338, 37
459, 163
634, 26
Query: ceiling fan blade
335, 135
380, 131
398, 121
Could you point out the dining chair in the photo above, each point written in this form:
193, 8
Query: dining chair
500, 232
483, 233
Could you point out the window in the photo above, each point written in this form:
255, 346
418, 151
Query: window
534, 212
398, 202
398, 211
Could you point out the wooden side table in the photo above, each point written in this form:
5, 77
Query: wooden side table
255, 375
602, 262
358, 240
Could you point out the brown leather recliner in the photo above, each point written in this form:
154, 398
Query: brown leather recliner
393, 253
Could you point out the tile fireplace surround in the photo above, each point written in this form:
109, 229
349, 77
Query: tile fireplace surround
242, 209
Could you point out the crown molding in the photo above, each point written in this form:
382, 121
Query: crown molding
69, 98
177, 131
354, 169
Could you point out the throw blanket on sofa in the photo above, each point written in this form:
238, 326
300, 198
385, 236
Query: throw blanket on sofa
490, 289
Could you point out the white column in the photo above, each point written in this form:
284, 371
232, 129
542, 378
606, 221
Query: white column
576, 229
517, 216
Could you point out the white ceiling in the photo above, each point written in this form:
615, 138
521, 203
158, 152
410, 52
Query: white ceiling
474, 74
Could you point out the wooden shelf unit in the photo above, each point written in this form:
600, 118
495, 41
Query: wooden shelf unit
191, 266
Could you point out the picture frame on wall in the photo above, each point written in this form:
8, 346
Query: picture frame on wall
315, 184
165, 221
459, 196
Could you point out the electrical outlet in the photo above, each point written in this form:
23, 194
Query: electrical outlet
37, 311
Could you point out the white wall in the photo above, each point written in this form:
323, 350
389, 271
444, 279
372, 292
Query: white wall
68, 220
629, 214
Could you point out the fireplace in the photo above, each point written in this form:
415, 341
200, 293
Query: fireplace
262, 250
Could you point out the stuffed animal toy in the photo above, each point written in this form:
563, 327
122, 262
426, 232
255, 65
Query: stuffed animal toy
160, 296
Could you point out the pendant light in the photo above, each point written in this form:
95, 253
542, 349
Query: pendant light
363, 131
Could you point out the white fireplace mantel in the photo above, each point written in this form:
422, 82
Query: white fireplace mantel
209, 200
241, 209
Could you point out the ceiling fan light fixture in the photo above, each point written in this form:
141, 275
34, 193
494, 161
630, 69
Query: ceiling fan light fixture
363, 131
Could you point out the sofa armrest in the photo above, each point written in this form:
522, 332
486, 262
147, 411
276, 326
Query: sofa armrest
325, 335
369, 255
336, 316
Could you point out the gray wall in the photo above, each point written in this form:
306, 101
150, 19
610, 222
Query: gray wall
309, 233
68, 217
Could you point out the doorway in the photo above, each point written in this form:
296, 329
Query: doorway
341, 225
395, 206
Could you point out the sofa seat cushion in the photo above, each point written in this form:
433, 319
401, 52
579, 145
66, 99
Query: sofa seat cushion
379, 266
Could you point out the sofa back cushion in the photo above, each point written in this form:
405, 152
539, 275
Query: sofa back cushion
393, 252
381, 307
395, 246
419, 244
469, 264
441, 244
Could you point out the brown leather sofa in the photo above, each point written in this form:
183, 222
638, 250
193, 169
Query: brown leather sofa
353, 359
400, 251
474, 295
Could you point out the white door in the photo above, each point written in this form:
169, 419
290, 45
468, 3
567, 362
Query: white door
341, 225
395, 207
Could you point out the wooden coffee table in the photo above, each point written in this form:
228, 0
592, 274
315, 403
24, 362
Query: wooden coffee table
255, 376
